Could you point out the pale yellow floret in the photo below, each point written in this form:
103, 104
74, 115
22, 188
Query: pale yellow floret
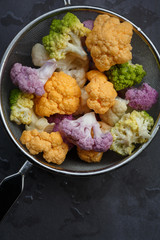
21, 112
133, 128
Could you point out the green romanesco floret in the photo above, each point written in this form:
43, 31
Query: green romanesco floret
21, 105
64, 37
133, 128
125, 75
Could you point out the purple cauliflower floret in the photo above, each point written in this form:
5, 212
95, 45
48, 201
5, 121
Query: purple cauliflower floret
80, 131
103, 141
141, 98
57, 118
32, 80
89, 24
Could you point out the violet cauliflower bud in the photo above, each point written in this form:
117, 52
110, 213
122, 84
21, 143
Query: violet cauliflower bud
85, 133
141, 98
57, 118
102, 141
32, 80
88, 24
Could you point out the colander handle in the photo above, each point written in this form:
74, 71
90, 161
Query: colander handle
67, 2
11, 187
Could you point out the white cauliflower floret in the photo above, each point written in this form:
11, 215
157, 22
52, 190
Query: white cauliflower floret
75, 67
71, 65
39, 55
115, 112
39, 123
83, 107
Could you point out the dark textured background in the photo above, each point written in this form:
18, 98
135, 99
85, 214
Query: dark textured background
120, 205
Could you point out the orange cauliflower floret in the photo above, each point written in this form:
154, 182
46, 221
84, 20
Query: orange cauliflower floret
62, 95
109, 42
52, 145
89, 156
101, 92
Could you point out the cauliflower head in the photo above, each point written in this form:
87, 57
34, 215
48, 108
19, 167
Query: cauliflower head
125, 75
85, 132
115, 112
32, 80
133, 128
75, 67
142, 98
65, 37
71, 65
62, 95
89, 156
21, 105
109, 42
52, 145
101, 92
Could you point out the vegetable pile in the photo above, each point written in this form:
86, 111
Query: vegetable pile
71, 98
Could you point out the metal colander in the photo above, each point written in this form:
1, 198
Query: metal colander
19, 50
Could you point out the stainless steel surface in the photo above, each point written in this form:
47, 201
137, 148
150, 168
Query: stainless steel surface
11, 187
67, 2
25, 168
144, 52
